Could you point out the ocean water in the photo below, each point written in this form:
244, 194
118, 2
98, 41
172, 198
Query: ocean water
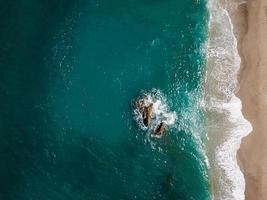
70, 72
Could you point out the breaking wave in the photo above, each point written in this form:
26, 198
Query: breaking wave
226, 125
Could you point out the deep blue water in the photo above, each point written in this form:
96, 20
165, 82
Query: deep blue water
69, 73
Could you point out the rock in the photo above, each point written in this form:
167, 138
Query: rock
147, 115
146, 111
140, 105
160, 129
152, 115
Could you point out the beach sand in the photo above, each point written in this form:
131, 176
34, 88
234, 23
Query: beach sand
251, 29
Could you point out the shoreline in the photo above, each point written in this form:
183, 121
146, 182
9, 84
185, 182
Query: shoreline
250, 25
226, 125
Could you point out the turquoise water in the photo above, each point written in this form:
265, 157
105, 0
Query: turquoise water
69, 74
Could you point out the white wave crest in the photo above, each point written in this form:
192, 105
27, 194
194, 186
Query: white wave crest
226, 125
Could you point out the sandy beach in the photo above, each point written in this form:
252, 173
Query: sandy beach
251, 28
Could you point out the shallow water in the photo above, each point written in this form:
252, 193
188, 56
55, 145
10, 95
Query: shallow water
70, 72
226, 125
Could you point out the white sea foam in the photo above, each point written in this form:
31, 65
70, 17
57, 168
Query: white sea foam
226, 124
160, 110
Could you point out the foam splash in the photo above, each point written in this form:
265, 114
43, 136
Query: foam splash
160, 110
226, 152
229, 125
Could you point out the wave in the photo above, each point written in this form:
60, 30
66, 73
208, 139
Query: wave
226, 125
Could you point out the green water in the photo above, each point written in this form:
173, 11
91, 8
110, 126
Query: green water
69, 73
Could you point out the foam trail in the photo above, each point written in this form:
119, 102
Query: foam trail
226, 125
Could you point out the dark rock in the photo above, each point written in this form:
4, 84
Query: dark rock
160, 129
147, 115
140, 105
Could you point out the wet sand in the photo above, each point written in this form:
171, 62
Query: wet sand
250, 22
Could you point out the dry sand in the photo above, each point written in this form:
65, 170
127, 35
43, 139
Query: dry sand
252, 156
